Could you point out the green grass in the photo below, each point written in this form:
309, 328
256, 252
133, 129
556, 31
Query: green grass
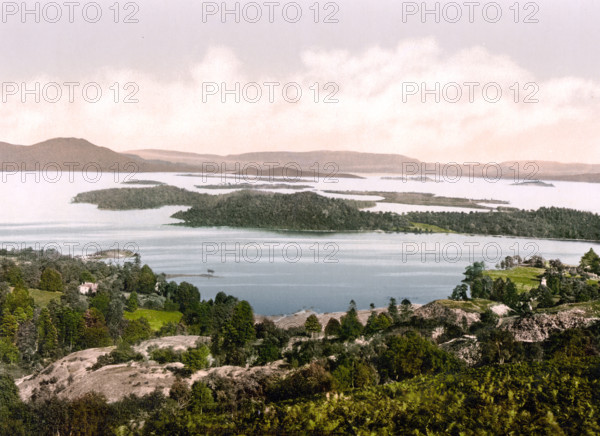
42, 298
156, 318
524, 277
591, 308
431, 228
477, 305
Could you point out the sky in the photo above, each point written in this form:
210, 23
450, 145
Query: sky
437, 81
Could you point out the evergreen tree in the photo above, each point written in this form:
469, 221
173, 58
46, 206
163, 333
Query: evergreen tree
132, 302
147, 280
590, 262
51, 281
312, 324
47, 334
351, 328
333, 327
202, 397
393, 311
9, 327
242, 322
459, 293
406, 310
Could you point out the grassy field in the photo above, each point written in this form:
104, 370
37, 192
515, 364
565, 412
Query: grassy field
156, 318
477, 305
524, 277
430, 227
42, 298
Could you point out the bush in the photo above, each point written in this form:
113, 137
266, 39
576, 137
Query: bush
123, 353
307, 381
170, 306
137, 330
411, 355
196, 358
165, 355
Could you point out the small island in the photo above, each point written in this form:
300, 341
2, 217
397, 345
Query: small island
533, 183
411, 179
142, 182
255, 186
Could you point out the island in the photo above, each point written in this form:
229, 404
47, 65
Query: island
533, 183
255, 186
142, 182
308, 211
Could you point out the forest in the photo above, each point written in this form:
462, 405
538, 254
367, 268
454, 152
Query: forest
390, 375
546, 222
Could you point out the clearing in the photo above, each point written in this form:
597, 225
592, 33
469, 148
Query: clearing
156, 318
526, 278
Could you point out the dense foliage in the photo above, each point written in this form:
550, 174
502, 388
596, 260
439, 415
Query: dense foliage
300, 211
545, 222
554, 397
141, 198
558, 284
390, 375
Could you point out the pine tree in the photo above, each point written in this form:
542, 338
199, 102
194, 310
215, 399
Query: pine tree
393, 311
312, 324
47, 334
333, 327
351, 328
132, 302
9, 327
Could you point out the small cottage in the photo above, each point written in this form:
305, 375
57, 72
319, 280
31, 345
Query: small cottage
88, 288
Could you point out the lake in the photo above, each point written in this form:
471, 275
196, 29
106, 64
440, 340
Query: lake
283, 272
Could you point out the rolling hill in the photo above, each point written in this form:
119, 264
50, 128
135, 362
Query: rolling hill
69, 153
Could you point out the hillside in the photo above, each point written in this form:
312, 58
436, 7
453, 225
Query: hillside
74, 154
347, 161
66, 150
357, 162
499, 360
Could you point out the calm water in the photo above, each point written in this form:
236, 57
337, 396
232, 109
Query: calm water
280, 272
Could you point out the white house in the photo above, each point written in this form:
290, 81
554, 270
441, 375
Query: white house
88, 288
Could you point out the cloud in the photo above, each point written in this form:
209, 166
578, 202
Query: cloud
383, 106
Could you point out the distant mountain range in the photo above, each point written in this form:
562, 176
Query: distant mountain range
73, 153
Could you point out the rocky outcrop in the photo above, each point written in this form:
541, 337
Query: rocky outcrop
438, 311
72, 376
540, 326
465, 348
178, 343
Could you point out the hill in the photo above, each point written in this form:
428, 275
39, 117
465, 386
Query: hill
346, 161
351, 161
73, 154
66, 151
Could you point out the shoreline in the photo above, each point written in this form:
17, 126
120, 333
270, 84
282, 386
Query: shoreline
297, 319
